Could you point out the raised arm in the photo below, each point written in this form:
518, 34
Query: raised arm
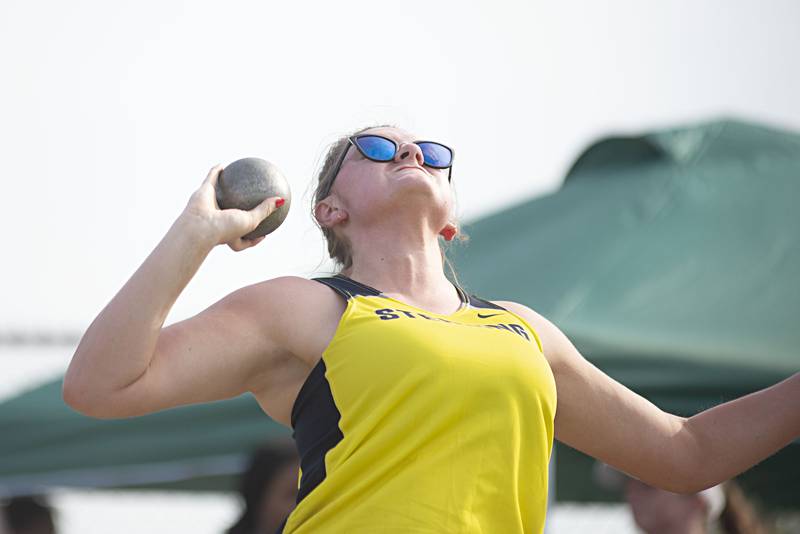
126, 365
602, 418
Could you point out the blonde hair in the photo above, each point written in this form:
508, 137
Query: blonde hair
339, 248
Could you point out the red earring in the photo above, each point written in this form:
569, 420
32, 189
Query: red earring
448, 233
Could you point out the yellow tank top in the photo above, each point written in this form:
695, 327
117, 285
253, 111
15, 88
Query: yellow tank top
421, 423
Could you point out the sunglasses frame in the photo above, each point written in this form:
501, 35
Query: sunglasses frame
353, 138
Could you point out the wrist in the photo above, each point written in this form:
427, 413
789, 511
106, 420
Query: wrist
197, 229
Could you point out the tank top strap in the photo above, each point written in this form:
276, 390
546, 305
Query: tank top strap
477, 302
346, 287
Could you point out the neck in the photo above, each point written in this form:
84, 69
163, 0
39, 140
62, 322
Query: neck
408, 266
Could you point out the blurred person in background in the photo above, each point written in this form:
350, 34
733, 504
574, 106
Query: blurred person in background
268, 488
721, 509
27, 515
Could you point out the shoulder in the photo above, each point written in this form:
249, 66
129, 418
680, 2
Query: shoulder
554, 343
296, 313
285, 290
288, 298
535, 319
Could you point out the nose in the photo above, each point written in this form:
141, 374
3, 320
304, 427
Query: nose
410, 152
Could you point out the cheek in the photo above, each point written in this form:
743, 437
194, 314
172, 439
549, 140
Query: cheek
361, 187
450, 200
363, 198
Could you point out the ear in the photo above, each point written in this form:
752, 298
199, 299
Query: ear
449, 231
328, 214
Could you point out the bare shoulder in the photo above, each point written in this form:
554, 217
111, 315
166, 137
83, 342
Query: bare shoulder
286, 288
296, 309
302, 316
288, 296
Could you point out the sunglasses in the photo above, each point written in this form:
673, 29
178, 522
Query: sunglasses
382, 149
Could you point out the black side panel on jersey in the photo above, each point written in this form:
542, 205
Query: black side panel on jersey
315, 417
315, 424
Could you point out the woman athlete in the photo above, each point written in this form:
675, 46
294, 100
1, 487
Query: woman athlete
415, 407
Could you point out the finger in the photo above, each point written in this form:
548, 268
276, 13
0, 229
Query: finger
240, 243
236, 244
208, 190
263, 210
213, 175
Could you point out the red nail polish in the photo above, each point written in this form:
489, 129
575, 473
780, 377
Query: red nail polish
279, 202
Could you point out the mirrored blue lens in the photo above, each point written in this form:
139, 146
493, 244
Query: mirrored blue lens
377, 148
436, 155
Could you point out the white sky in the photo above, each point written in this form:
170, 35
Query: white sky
113, 112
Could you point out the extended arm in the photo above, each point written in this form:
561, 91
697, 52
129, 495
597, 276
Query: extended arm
603, 418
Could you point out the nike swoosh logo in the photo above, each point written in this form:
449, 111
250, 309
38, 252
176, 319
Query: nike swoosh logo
487, 316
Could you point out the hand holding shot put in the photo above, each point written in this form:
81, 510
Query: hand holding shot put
227, 211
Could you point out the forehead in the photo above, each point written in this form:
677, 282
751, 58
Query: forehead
397, 134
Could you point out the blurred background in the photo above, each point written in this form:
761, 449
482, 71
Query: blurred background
643, 154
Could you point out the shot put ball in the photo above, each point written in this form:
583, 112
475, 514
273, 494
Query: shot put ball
245, 183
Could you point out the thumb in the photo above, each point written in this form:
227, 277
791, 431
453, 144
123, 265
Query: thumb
267, 206
213, 175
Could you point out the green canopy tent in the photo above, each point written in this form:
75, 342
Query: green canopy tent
671, 260
45, 443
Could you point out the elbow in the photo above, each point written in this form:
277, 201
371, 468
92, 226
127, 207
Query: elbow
88, 400
72, 399
682, 487
76, 398
689, 485
85, 405
70, 390
80, 398
73, 390
695, 478
689, 466
674, 481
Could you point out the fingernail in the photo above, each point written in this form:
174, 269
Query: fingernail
279, 202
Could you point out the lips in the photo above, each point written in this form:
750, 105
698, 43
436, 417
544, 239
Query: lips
413, 167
